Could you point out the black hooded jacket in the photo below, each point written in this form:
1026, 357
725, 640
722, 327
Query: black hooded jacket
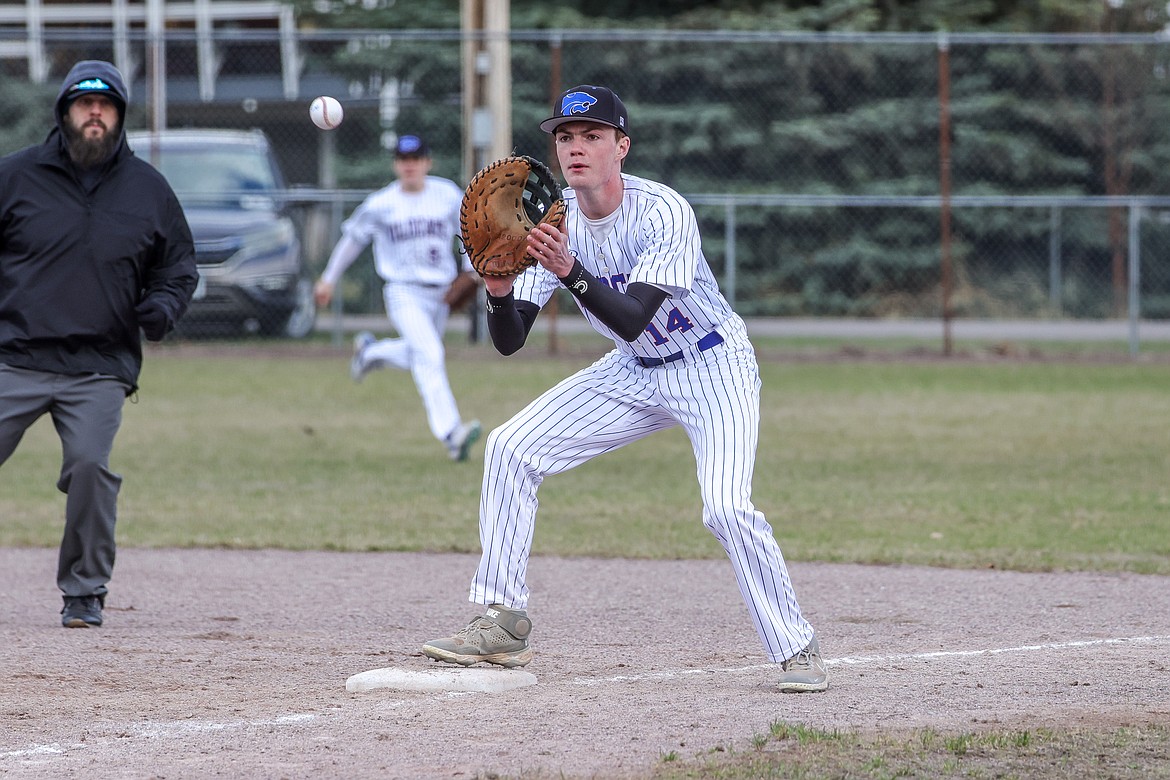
75, 261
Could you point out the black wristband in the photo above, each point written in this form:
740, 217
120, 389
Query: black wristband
501, 304
577, 280
626, 314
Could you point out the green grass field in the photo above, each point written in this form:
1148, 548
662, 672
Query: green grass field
896, 457
1013, 464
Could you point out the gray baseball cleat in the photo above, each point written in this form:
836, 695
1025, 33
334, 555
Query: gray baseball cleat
804, 672
358, 367
499, 636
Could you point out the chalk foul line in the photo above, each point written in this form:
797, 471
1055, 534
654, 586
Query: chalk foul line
156, 730
884, 659
150, 730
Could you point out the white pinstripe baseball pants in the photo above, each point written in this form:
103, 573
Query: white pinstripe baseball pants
420, 317
715, 396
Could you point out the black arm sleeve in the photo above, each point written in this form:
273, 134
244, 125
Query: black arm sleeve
626, 314
509, 322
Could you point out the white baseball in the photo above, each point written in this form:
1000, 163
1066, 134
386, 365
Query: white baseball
325, 112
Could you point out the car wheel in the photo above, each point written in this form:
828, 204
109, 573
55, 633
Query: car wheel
304, 315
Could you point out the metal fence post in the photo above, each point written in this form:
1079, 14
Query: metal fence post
729, 250
1134, 307
1054, 241
944, 175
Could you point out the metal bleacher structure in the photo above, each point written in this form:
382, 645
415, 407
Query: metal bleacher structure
27, 28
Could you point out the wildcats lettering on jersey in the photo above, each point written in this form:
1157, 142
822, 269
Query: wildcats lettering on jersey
412, 232
419, 228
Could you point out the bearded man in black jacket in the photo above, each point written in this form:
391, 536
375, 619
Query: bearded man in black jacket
94, 252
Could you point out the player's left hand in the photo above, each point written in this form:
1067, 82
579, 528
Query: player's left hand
153, 319
550, 247
499, 286
322, 293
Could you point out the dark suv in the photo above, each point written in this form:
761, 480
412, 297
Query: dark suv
252, 273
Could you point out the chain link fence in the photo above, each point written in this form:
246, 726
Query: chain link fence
834, 175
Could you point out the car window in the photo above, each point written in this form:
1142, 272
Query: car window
217, 175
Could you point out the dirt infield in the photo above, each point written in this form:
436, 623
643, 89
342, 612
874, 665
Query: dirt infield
233, 664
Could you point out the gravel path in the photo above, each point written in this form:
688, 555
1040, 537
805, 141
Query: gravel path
234, 663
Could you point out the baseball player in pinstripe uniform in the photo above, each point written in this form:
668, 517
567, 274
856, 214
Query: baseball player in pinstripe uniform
632, 258
412, 223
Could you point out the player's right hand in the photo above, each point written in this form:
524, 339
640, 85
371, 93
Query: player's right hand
550, 246
323, 293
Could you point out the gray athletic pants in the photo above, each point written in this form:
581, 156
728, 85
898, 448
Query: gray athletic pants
87, 412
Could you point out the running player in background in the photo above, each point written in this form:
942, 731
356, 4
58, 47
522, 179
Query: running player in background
632, 258
412, 223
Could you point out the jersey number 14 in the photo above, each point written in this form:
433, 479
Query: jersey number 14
675, 323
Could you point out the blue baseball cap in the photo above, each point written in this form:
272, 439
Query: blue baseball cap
587, 103
411, 146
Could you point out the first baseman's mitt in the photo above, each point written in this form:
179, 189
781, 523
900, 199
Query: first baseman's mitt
502, 203
461, 291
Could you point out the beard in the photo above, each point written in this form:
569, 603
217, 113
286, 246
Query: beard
89, 152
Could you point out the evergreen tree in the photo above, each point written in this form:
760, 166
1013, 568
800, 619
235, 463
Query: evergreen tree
834, 118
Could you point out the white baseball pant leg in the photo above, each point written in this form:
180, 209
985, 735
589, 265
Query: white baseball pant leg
420, 317
613, 403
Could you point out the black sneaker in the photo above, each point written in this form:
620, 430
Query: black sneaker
82, 611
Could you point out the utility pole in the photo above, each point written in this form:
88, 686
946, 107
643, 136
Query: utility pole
487, 84
487, 97
157, 63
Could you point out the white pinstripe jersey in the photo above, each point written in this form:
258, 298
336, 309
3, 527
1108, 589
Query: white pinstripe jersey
655, 240
413, 232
